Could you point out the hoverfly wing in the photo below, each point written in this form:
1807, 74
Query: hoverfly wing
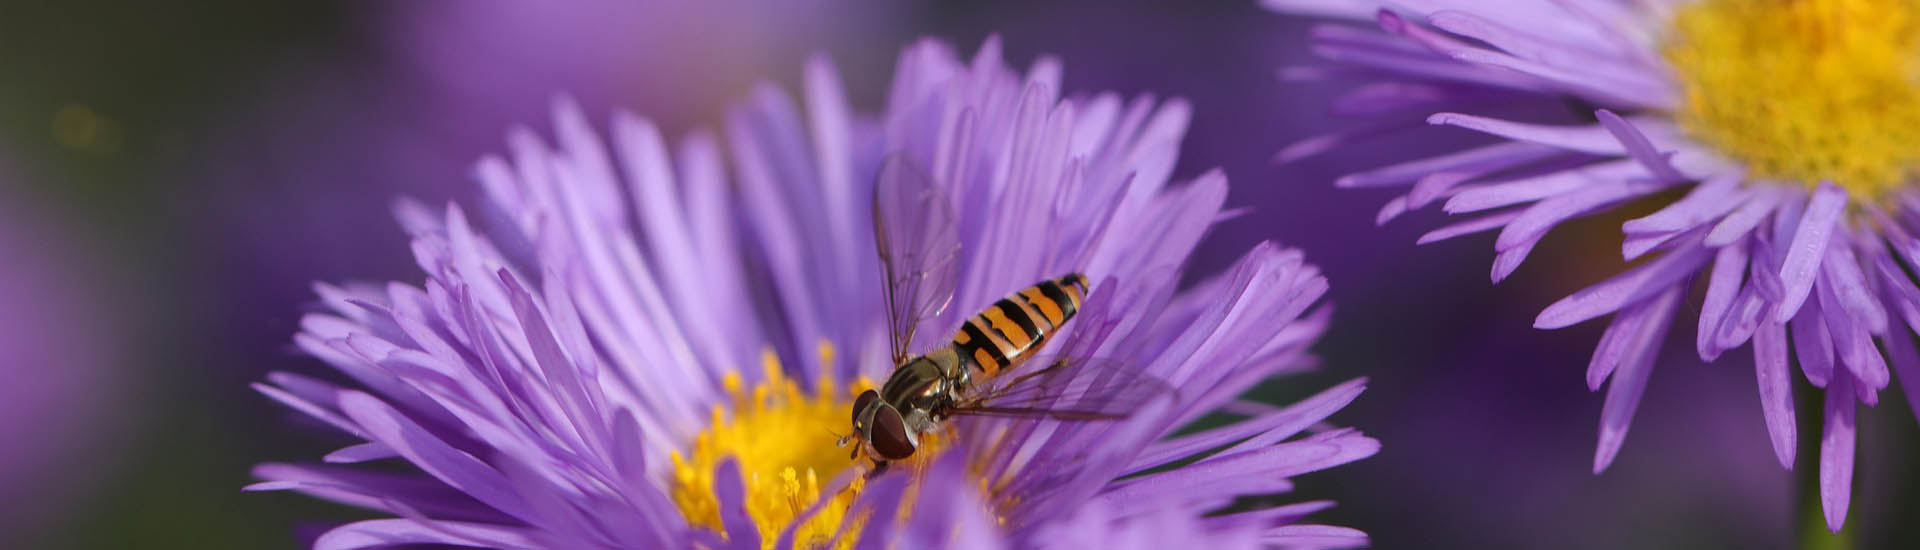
1070, 390
915, 234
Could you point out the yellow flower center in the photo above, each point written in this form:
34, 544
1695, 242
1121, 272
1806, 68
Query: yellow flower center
1805, 90
785, 440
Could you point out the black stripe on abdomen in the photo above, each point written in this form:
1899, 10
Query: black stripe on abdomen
1052, 290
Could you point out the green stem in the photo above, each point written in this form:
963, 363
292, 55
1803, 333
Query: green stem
1809, 405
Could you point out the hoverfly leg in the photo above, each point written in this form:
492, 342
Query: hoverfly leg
879, 467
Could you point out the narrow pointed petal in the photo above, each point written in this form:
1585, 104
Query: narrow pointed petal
1584, 139
731, 490
1636, 284
1776, 389
1723, 284
1621, 335
1639, 147
1836, 451
1812, 344
1469, 227
1744, 218
1392, 209
1707, 202
1630, 381
1809, 246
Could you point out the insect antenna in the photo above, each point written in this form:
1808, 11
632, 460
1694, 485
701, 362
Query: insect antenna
840, 438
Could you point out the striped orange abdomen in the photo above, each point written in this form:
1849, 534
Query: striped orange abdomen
1016, 327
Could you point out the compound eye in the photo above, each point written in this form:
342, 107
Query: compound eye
890, 435
861, 403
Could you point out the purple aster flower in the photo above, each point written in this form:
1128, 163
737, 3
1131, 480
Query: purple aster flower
638, 343
1776, 138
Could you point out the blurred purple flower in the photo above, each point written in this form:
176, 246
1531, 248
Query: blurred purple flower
571, 375
405, 113
1791, 197
58, 346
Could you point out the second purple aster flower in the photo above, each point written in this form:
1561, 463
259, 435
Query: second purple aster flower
1781, 139
638, 344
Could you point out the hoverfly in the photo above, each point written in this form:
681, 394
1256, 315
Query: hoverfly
916, 238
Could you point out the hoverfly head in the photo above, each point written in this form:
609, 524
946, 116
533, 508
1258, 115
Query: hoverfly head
889, 436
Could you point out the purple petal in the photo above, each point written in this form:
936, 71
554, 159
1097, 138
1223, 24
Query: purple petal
1776, 389
1420, 64
1280, 461
1813, 344
1434, 186
1762, 275
1899, 290
1392, 209
1576, 66
1476, 161
1905, 361
430, 453
1623, 289
1469, 227
1544, 215
1836, 451
1621, 86
375, 490
834, 486
1742, 319
1621, 335
1705, 203
1323, 8
881, 499
1744, 218
1278, 515
384, 533
1852, 342
1843, 271
1365, 37
1809, 247
1506, 193
1639, 147
1635, 246
1623, 394
564, 379
1496, 28
1315, 536
1786, 219
1729, 263
1508, 260
731, 489
1283, 423
1585, 139
312, 409
363, 452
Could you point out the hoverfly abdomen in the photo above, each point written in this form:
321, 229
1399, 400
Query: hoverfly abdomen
1014, 328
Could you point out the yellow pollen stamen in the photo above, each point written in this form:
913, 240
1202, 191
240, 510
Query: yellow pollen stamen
1805, 90
783, 438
